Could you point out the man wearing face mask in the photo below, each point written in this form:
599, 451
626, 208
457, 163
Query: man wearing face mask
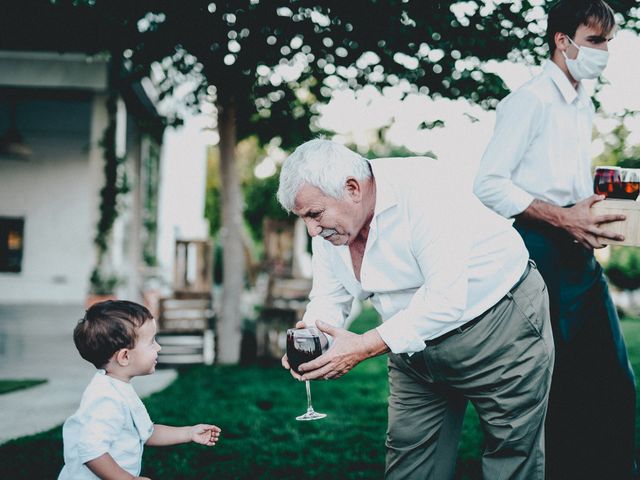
537, 170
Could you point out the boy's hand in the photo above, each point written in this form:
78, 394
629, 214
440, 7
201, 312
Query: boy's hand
205, 434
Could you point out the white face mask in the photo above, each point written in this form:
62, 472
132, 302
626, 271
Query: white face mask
590, 62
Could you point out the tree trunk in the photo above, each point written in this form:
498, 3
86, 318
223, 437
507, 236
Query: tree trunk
229, 325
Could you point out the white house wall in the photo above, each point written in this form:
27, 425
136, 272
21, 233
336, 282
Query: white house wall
53, 191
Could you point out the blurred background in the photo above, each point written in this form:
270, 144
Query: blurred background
140, 145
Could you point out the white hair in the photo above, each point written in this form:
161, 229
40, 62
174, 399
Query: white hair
323, 164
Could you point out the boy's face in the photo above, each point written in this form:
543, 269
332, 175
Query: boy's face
143, 357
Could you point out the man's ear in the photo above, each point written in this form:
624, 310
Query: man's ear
122, 357
561, 41
354, 190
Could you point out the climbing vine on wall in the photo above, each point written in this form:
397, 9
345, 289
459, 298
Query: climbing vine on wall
115, 184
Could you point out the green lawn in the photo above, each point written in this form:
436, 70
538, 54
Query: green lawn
7, 386
256, 406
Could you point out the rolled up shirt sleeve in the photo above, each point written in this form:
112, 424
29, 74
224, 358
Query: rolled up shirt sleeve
441, 242
518, 120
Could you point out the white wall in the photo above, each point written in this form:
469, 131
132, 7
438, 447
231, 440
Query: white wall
183, 178
52, 190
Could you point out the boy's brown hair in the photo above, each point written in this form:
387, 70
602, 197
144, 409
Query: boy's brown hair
565, 16
107, 327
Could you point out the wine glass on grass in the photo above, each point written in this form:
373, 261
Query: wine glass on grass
303, 345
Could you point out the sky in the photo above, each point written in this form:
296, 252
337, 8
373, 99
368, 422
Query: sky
468, 128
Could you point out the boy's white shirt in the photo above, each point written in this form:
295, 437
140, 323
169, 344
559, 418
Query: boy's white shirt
111, 419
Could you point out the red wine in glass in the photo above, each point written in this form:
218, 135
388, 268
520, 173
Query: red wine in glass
630, 184
302, 349
626, 185
607, 181
303, 345
630, 190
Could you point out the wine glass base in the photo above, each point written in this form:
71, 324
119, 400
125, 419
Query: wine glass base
311, 416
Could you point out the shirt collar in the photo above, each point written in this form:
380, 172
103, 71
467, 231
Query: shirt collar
561, 81
385, 195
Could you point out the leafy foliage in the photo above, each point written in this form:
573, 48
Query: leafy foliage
261, 203
115, 183
623, 268
267, 64
278, 59
102, 283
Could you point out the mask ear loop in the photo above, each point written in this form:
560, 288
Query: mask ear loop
564, 52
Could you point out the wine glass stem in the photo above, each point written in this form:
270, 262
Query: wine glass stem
309, 406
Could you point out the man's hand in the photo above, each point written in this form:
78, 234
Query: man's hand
583, 225
205, 434
578, 221
285, 361
348, 349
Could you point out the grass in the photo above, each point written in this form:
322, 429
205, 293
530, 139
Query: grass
7, 386
255, 406
631, 330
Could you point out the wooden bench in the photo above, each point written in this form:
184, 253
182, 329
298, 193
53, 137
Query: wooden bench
185, 331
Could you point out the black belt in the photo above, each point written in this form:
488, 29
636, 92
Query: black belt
471, 323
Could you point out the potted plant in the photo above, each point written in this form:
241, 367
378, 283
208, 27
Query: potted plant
101, 287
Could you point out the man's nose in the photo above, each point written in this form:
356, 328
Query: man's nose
313, 228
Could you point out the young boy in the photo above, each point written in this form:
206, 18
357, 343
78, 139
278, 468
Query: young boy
104, 439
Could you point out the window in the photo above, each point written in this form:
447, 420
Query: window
11, 244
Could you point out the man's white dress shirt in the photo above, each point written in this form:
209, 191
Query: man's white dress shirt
540, 146
111, 419
435, 257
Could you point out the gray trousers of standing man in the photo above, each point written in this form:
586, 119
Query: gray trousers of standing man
502, 364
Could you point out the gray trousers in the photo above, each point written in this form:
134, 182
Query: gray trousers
503, 365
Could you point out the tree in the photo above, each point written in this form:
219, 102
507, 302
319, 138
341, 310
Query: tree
266, 65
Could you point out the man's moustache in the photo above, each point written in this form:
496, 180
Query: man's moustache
327, 232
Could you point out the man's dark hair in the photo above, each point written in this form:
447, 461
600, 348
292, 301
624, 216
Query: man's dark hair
566, 16
107, 327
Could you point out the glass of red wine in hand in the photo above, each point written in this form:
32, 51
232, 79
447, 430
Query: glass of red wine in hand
303, 345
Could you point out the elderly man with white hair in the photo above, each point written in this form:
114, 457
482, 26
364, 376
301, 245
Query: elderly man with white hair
464, 312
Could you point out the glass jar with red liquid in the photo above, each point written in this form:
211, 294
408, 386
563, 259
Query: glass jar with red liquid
616, 182
629, 184
607, 181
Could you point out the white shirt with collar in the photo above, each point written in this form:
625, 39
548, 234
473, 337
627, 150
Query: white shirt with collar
111, 419
435, 257
540, 146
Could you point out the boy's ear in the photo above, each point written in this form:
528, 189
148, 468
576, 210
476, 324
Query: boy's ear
122, 357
